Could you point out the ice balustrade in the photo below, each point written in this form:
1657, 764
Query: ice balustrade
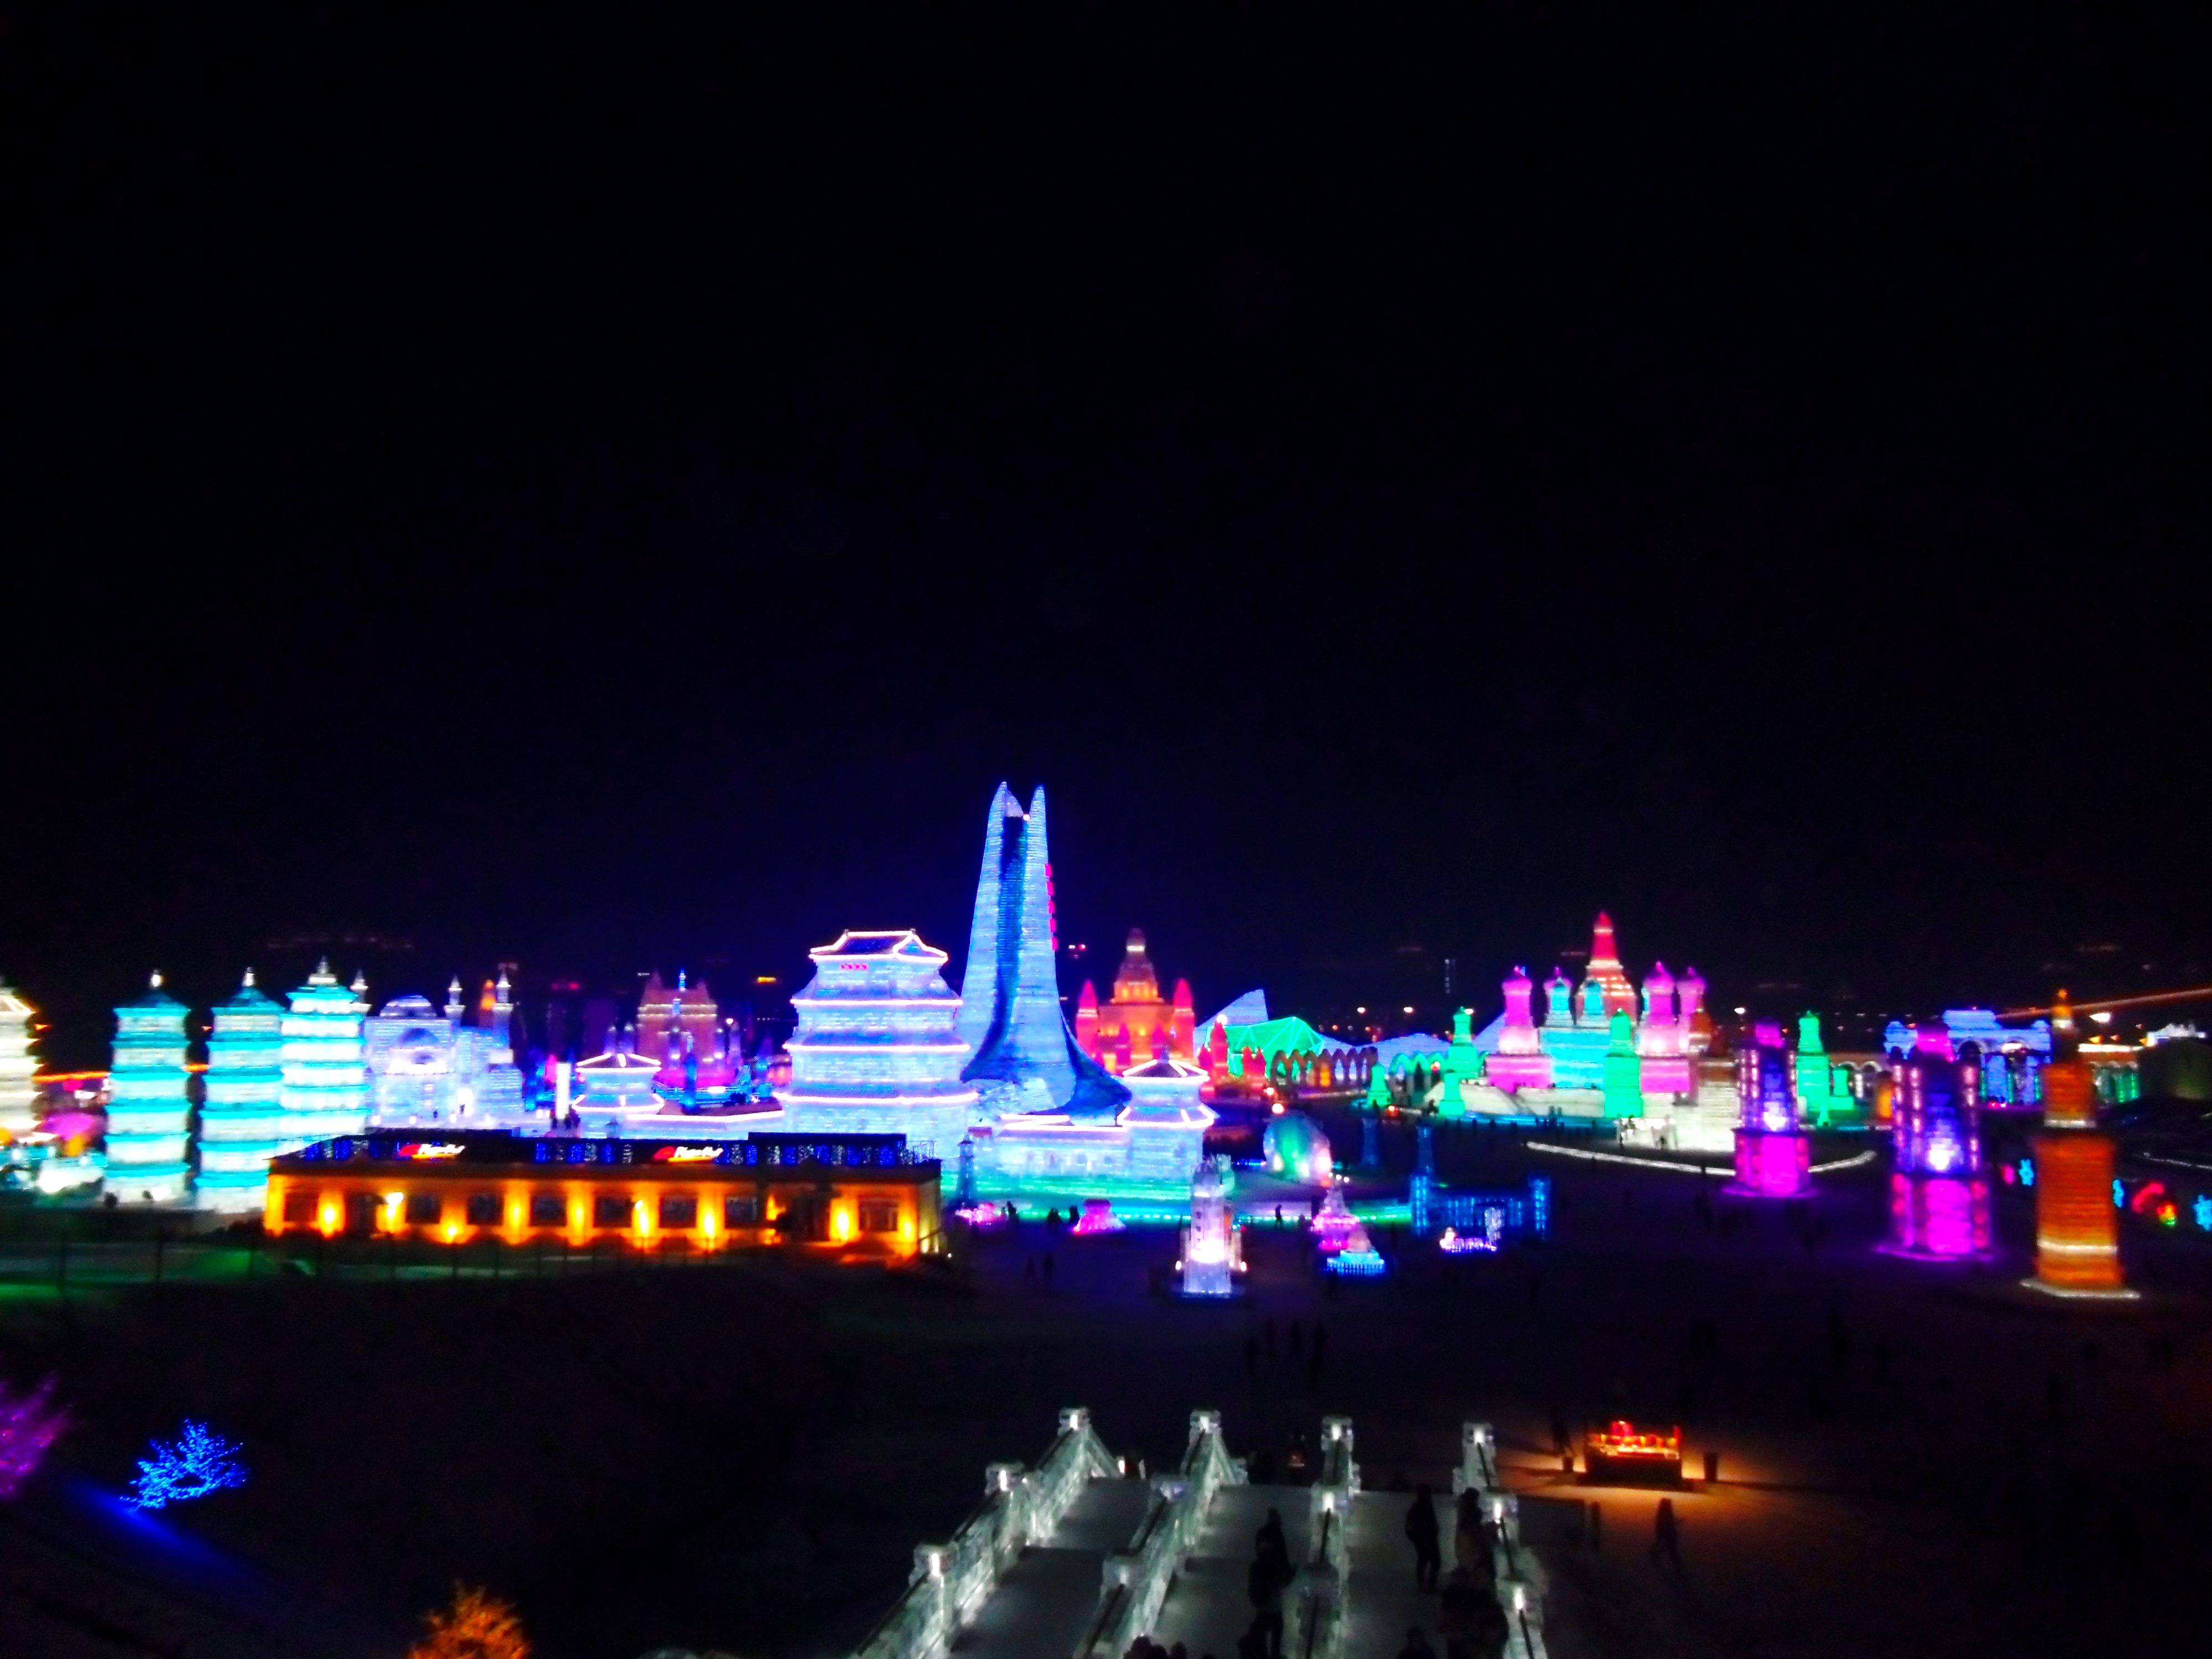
1313, 1619
1520, 1576
1136, 1580
951, 1581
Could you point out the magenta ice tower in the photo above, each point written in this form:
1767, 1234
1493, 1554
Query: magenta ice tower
1939, 1193
1773, 1153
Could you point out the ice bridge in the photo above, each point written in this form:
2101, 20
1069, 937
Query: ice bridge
1076, 1558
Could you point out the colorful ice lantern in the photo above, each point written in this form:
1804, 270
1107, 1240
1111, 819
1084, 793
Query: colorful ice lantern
1773, 1155
1334, 1222
1519, 1060
1939, 1193
1212, 1252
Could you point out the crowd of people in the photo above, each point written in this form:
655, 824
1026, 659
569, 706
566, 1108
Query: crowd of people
1469, 1616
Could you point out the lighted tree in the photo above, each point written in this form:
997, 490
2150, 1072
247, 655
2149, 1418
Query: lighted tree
198, 1462
477, 1625
29, 1424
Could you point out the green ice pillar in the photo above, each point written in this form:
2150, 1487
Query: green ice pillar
1819, 1100
1624, 1072
1378, 1087
1462, 1065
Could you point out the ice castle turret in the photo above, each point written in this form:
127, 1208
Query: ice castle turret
1939, 1194
242, 1121
148, 1113
1025, 1057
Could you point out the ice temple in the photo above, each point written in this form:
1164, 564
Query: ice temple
1136, 1024
877, 1050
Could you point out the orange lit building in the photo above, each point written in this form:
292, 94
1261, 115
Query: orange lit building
2077, 1225
1136, 1027
864, 1195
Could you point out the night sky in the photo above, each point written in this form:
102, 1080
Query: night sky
614, 500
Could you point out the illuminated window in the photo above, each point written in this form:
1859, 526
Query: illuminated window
879, 1215
546, 1210
424, 1209
741, 1211
298, 1208
610, 1211
483, 1209
679, 1212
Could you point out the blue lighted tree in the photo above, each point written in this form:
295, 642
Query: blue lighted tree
198, 1462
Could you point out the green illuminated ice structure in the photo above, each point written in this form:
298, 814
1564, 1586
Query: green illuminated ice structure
1463, 1066
1822, 1101
1624, 1072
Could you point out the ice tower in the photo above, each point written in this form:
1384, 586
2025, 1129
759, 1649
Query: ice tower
1773, 1154
326, 1074
19, 1096
1026, 1059
148, 1113
1939, 1197
2077, 1225
242, 1122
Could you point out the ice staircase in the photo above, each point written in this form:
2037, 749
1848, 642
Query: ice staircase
1075, 1558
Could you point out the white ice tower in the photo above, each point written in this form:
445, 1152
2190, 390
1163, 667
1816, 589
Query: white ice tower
325, 1065
19, 1096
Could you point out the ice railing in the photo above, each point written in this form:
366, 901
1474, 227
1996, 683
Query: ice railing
1314, 1621
1520, 1580
951, 1581
1136, 1580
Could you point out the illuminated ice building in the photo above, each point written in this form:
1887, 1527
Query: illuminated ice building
1053, 1121
1939, 1193
1773, 1154
149, 1115
1136, 1025
877, 1050
2012, 1056
1025, 1057
242, 1118
325, 1078
18, 1094
1571, 1062
666, 1018
2077, 1225
425, 1067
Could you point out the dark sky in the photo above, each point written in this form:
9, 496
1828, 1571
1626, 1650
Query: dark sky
606, 500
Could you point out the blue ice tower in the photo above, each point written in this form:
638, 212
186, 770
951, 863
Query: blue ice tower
242, 1121
149, 1115
1025, 1057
